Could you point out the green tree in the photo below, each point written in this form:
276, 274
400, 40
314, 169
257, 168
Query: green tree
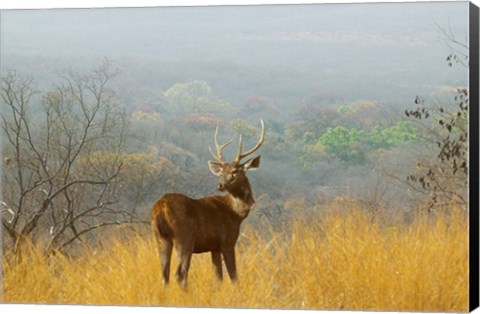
387, 138
195, 97
343, 143
242, 127
353, 145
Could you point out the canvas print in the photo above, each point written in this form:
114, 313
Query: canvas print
308, 156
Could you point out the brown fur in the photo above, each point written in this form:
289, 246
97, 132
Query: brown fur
209, 224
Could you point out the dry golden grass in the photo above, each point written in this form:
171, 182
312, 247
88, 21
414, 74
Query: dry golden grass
345, 260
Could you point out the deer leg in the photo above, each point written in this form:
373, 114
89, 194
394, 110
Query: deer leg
229, 257
165, 252
164, 246
185, 256
217, 262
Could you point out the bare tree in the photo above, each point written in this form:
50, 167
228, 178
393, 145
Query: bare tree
55, 188
445, 177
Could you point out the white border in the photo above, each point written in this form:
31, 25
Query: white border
47, 4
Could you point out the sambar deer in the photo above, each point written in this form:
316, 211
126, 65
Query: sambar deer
208, 224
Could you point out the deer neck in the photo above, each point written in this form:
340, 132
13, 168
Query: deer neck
241, 200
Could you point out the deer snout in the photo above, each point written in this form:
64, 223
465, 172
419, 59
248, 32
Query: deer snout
221, 187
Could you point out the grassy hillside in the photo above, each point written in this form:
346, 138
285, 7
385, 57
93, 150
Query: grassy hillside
341, 260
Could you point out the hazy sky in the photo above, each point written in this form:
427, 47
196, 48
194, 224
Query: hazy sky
368, 47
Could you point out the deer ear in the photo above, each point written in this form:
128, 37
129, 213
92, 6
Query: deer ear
215, 168
251, 164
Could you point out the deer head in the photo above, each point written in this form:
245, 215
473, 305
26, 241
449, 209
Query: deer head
232, 174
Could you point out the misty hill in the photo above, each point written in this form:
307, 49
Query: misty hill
387, 52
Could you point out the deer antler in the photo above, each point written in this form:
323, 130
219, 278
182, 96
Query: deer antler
240, 156
219, 157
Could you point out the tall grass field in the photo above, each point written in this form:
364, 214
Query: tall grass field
343, 259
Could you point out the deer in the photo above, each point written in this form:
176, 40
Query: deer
208, 224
